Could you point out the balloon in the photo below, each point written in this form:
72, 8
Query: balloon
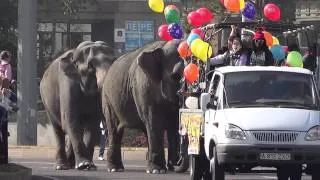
175, 30
278, 52
191, 73
234, 5
194, 19
184, 49
268, 38
163, 32
156, 5
204, 51
169, 7
294, 59
206, 15
198, 31
192, 37
221, 2
275, 40
172, 16
249, 11
194, 46
272, 12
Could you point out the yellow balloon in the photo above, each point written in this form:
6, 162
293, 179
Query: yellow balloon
275, 40
156, 5
194, 46
204, 51
242, 4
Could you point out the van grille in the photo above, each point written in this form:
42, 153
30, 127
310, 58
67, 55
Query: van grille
275, 136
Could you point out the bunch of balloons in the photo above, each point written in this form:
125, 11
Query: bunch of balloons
200, 17
174, 29
278, 52
272, 12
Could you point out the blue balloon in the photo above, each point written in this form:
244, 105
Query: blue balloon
191, 38
249, 11
278, 52
175, 30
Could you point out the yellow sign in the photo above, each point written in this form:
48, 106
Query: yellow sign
190, 124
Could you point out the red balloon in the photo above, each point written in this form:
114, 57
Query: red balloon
198, 31
163, 32
194, 19
191, 73
222, 2
205, 14
272, 12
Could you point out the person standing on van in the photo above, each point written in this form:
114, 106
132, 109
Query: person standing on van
260, 55
5, 66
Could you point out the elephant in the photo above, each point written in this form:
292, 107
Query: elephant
71, 93
140, 91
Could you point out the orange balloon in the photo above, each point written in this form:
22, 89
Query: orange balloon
191, 73
268, 37
184, 49
232, 5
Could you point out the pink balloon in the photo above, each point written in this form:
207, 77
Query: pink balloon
194, 19
221, 2
163, 32
205, 14
272, 12
198, 31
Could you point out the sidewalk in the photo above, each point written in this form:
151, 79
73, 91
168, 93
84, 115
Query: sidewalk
44, 152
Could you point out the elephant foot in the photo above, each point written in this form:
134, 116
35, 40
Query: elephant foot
62, 167
156, 171
86, 165
115, 168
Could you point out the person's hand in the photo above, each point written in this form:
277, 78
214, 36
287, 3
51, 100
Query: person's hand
233, 27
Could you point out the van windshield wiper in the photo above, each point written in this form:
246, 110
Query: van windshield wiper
246, 103
286, 103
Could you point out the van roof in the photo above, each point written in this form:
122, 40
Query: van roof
228, 69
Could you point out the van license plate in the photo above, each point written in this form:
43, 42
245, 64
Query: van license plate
275, 156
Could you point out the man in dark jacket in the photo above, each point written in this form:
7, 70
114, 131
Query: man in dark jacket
260, 55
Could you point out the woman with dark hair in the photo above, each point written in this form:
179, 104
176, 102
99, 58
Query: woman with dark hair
260, 55
310, 59
236, 56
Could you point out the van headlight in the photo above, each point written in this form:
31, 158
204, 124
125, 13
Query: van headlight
313, 134
234, 132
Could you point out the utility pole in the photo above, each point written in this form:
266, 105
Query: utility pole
27, 72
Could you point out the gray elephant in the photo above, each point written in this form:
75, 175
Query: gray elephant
70, 90
140, 87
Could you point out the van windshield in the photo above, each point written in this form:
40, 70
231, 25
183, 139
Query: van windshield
269, 89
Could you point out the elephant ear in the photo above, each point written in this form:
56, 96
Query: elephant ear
151, 64
66, 63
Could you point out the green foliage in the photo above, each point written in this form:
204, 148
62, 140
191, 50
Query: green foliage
72, 7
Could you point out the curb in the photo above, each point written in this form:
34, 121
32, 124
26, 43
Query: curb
96, 148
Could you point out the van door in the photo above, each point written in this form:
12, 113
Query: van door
211, 124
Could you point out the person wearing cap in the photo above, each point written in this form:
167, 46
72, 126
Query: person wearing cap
260, 55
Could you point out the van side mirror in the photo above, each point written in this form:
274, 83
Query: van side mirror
207, 101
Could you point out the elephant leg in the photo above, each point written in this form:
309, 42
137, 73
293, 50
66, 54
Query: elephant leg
156, 159
61, 158
90, 136
114, 159
70, 154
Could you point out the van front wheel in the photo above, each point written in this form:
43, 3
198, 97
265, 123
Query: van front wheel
217, 170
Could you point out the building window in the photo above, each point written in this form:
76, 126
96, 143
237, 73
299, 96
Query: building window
138, 33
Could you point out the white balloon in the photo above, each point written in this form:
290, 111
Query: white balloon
192, 102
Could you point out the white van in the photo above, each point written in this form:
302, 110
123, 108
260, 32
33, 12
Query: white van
262, 116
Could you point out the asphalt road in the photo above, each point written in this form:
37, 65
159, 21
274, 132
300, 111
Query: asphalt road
42, 164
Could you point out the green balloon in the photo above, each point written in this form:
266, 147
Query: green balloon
172, 16
294, 59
